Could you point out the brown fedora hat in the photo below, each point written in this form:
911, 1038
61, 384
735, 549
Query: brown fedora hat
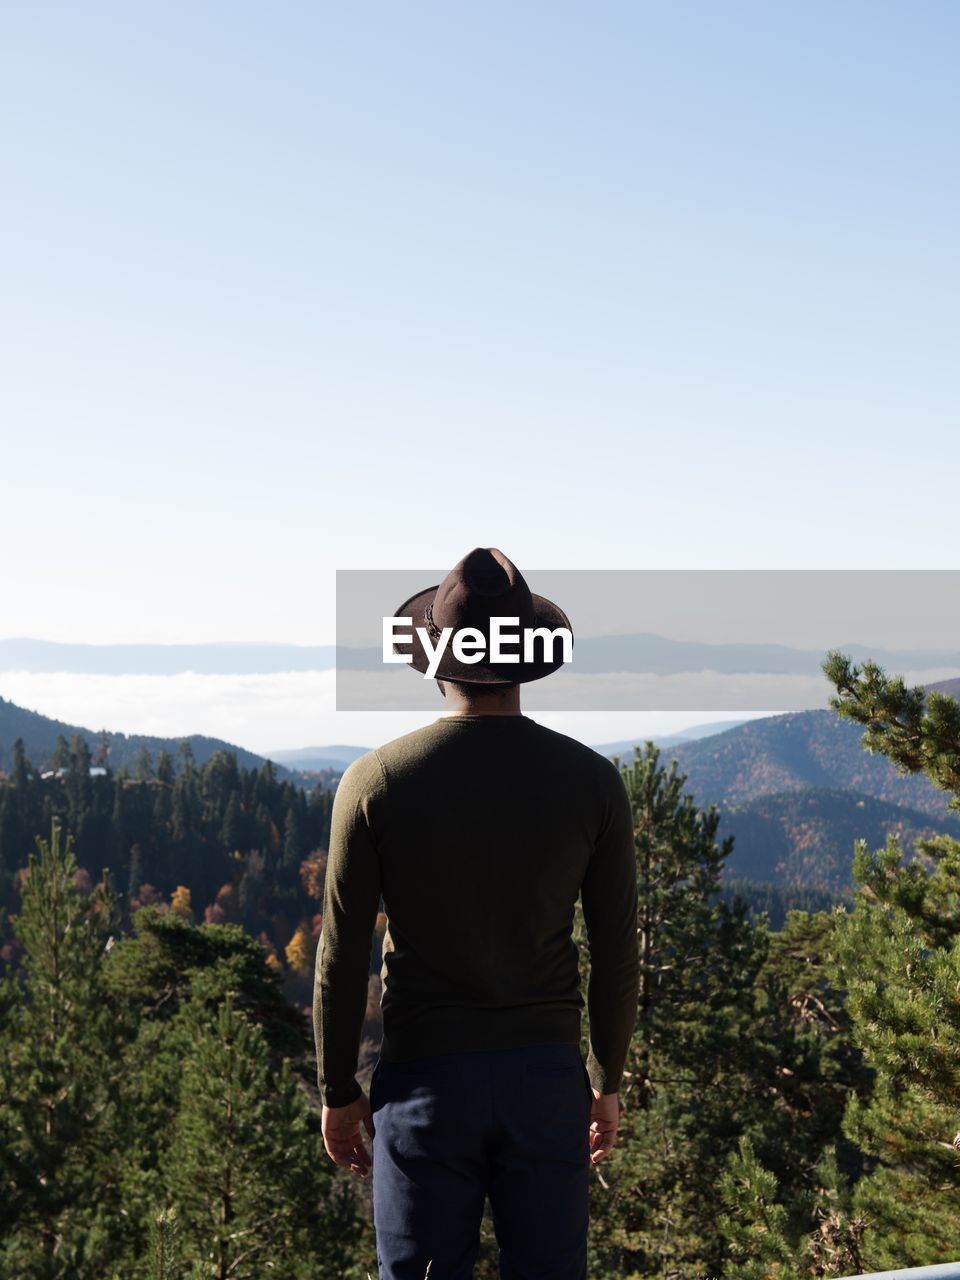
483, 585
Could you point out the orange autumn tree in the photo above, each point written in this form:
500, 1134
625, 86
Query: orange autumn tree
299, 950
180, 902
312, 873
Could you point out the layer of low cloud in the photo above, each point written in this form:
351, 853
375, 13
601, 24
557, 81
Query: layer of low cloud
271, 712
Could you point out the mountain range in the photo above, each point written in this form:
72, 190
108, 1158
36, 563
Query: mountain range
794, 790
642, 652
39, 734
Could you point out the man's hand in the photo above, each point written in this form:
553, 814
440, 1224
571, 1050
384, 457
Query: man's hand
604, 1118
342, 1136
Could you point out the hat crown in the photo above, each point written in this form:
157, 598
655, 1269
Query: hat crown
485, 584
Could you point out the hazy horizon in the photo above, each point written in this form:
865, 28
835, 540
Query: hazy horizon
271, 713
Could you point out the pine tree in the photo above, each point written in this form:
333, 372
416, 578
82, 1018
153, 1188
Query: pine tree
816, 1235
165, 1251
231, 833
698, 1046
678, 867
269, 834
245, 1163
898, 953
251, 887
181, 818
162, 830
835, 1246
56, 1050
21, 766
292, 838
899, 957
142, 765
60, 756
9, 838
79, 791
119, 844
135, 877
918, 731
155, 974
185, 760
817, 1066
753, 1222
165, 768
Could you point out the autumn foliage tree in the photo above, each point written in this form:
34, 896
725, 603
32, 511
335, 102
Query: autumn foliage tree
180, 902
299, 950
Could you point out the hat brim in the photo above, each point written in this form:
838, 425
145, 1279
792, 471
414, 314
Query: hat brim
546, 614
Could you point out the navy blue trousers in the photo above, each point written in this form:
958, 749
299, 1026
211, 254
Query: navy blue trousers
452, 1129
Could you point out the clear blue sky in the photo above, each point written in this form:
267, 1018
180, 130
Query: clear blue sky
296, 287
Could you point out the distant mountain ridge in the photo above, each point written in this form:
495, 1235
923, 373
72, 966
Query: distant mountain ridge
326, 757
39, 734
642, 652
337, 756
665, 656
625, 746
216, 658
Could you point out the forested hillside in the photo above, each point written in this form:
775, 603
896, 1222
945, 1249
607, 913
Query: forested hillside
803, 838
793, 752
796, 789
222, 843
39, 735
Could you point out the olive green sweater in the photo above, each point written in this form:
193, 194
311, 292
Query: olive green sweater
478, 833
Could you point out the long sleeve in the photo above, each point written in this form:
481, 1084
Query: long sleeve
609, 898
350, 901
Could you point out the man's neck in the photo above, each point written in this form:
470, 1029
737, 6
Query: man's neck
483, 704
